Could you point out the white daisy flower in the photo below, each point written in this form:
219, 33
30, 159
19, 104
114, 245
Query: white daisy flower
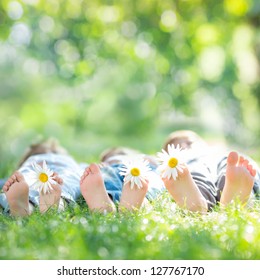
171, 162
42, 177
135, 171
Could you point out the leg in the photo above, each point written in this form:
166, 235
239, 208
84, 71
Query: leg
133, 199
186, 193
239, 179
53, 198
93, 190
17, 194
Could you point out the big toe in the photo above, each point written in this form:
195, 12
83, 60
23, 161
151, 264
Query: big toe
232, 158
94, 168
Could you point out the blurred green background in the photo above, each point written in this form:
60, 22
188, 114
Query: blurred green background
96, 74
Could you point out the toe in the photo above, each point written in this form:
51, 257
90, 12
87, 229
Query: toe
84, 175
245, 163
251, 170
94, 168
232, 158
241, 160
58, 180
19, 177
8, 183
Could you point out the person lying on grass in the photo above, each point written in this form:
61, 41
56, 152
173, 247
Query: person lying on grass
140, 182
37, 184
48, 176
206, 177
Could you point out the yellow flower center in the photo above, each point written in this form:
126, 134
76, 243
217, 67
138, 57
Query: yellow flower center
43, 177
135, 171
173, 162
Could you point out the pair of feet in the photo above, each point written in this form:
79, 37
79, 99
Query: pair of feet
94, 192
239, 181
17, 193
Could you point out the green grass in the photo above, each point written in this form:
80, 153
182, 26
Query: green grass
161, 231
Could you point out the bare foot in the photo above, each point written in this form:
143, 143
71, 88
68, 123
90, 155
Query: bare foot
133, 199
53, 197
93, 190
239, 179
17, 194
185, 192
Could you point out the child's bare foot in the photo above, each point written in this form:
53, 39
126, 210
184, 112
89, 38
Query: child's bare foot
185, 192
133, 199
17, 194
239, 179
93, 190
53, 197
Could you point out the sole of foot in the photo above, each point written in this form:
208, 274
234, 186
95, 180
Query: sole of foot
17, 193
133, 198
185, 192
93, 190
239, 180
51, 199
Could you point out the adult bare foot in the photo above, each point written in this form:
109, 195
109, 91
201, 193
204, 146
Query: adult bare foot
239, 179
133, 198
53, 197
185, 192
17, 194
93, 190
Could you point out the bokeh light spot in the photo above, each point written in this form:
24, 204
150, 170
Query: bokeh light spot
168, 21
15, 10
236, 7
